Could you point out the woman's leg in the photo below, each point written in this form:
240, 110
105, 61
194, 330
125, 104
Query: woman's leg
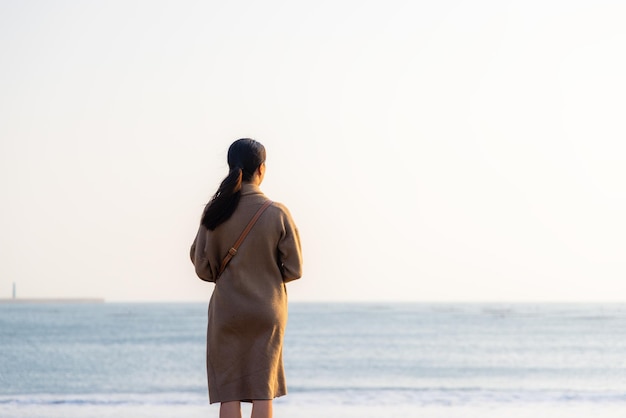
262, 409
230, 409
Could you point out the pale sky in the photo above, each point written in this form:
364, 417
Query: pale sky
428, 150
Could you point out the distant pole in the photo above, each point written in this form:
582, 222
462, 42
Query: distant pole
13, 290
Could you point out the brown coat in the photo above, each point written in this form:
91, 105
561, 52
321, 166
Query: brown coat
248, 308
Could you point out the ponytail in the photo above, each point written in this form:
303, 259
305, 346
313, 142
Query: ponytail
224, 201
244, 157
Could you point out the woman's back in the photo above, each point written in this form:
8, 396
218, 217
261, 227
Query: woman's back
248, 307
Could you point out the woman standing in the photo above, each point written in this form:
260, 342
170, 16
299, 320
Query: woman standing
248, 307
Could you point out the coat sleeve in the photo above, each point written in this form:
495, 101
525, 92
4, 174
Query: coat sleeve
198, 256
290, 250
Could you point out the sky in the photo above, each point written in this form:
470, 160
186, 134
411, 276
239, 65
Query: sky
427, 150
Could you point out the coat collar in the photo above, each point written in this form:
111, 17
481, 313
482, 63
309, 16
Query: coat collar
249, 188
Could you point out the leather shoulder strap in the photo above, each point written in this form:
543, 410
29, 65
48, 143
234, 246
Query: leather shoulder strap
233, 250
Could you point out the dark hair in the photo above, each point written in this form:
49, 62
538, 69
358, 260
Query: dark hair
244, 157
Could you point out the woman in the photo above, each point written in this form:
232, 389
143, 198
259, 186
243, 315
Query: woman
248, 308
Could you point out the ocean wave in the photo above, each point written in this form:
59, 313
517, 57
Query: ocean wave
122, 399
339, 396
451, 397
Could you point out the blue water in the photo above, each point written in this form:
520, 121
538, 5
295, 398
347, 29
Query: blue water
79, 360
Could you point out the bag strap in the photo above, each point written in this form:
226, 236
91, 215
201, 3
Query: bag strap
233, 250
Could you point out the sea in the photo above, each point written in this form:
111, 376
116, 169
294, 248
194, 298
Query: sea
342, 360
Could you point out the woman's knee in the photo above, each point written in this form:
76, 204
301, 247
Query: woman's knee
262, 408
230, 409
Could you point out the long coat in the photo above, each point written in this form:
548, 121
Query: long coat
248, 307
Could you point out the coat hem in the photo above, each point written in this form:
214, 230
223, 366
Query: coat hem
248, 399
